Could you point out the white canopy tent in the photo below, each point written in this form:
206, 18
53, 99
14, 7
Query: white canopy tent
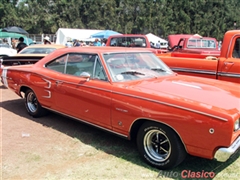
64, 34
153, 38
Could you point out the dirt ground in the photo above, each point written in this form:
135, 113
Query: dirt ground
58, 148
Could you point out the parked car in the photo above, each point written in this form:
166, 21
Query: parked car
131, 93
35, 42
133, 41
6, 50
39, 49
31, 54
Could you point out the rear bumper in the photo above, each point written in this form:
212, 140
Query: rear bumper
223, 154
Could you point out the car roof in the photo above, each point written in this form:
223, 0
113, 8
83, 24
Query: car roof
90, 50
128, 35
57, 46
103, 49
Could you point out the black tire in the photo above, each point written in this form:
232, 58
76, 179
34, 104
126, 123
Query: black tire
32, 105
160, 146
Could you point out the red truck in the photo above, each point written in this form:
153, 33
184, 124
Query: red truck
226, 66
133, 40
187, 45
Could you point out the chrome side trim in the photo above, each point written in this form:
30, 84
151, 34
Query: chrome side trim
49, 83
234, 75
49, 94
100, 127
176, 106
223, 154
4, 76
194, 71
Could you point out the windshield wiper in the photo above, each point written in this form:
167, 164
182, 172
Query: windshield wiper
158, 69
133, 72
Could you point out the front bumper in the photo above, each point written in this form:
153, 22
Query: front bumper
223, 154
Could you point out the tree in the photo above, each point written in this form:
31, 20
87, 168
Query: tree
160, 17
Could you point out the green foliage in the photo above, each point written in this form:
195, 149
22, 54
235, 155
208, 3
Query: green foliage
160, 17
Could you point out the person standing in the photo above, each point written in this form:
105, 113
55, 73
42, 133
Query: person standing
76, 43
96, 43
219, 45
46, 40
104, 42
21, 45
13, 43
158, 46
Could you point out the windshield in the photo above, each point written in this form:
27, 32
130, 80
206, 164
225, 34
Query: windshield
201, 43
128, 42
37, 50
135, 65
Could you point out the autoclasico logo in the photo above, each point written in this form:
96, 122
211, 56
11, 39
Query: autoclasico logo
186, 174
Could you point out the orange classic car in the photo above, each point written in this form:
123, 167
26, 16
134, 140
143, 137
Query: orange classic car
131, 93
225, 66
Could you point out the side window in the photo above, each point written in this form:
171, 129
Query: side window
113, 42
58, 64
99, 72
80, 63
77, 64
236, 50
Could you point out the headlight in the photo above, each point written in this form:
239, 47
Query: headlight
237, 125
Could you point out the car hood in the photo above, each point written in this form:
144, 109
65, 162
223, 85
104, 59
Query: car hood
203, 94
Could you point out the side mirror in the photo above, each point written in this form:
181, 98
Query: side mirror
85, 75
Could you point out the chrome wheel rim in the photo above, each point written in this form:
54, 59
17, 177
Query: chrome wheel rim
32, 103
157, 145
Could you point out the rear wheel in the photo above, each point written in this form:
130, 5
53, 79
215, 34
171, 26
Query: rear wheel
160, 146
32, 105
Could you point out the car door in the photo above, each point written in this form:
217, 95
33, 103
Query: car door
230, 67
83, 91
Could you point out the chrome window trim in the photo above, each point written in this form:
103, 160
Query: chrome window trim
228, 55
194, 71
235, 75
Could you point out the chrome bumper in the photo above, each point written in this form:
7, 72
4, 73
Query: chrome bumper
223, 154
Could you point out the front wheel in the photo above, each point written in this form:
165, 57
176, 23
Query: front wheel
32, 105
160, 146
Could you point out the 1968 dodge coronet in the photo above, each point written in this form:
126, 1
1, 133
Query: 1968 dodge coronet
131, 93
